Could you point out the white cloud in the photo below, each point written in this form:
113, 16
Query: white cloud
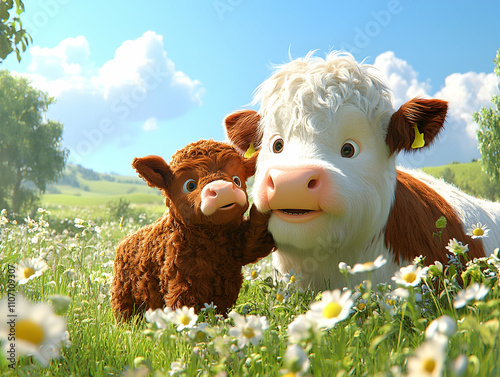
401, 77
465, 93
139, 86
150, 124
61, 62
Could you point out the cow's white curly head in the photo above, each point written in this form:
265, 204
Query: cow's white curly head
323, 124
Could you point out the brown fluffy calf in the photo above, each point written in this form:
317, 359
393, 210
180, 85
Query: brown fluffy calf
193, 254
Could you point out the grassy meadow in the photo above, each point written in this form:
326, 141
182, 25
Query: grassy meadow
438, 321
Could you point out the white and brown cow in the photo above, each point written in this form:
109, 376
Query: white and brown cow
328, 137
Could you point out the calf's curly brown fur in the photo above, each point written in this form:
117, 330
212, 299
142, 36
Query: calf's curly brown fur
194, 253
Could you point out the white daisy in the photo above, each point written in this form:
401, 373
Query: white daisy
475, 292
37, 330
208, 307
253, 272
184, 318
478, 231
343, 267
444, 325
60, 302
247, 330
199, 332
302, 328
410, 276
404, 294
367, 266
79, 223
333, 307
295, 360
3, 220
176, 368
459, 365
292, 277
456, 247
29, 269
282, 296
162, 318
428, 360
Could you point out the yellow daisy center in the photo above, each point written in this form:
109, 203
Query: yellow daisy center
292, 279
361, 306
184, 319
478, 232
254, 274
28, 271
200, 336
429, 365
29, 331
410, 277
248, 332
332, 310
280, 297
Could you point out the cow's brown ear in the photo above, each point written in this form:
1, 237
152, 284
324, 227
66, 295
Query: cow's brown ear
155, 171
242, 129
416, 124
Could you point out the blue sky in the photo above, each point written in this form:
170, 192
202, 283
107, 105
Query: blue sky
136, 80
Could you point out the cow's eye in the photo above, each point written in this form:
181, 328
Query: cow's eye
237, 180
189, 186
350, 149
277, 144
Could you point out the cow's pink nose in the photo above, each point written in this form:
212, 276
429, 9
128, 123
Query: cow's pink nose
219, 194
294, 188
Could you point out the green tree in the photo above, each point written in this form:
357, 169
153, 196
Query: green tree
30, 145
488, 133
11, 30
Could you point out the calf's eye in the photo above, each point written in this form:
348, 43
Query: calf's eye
189, 186
237, 180
277, 144
350, 149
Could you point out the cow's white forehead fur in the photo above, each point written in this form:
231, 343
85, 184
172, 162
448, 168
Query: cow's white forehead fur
305, 90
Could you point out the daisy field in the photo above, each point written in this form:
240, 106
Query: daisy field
439, 320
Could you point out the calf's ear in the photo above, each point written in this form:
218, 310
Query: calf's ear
154, 170
242, 129
416, 124
250, 164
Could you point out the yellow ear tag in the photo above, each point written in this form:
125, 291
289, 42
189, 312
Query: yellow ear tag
419, 141
250, 151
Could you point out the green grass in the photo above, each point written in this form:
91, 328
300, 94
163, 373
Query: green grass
468, 177
377, 339
97, 199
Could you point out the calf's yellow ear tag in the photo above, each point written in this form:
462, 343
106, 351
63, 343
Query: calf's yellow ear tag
419, 141
250, 151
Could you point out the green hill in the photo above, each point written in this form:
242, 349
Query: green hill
84, 187
469, 177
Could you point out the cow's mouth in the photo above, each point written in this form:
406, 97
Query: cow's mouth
296, 211
291, 215
227, 206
